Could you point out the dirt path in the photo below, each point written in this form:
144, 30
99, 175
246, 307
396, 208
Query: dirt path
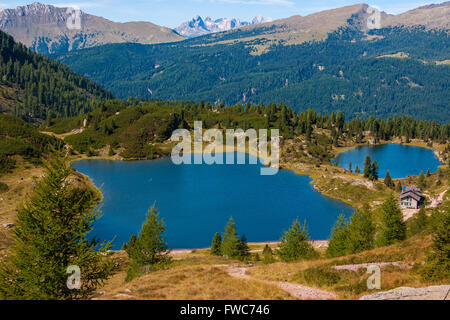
435, 202
296, 290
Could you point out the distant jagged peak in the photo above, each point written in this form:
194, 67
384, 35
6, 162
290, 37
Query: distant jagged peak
198, 27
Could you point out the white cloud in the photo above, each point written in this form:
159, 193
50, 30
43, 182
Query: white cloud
81, 5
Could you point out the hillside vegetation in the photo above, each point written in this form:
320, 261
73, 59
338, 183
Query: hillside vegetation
344, 72
35, 87
20, 139
140, 130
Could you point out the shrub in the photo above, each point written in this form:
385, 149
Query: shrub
321, 276
3, 187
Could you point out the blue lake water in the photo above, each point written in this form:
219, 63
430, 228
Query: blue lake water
196, 201
400, 160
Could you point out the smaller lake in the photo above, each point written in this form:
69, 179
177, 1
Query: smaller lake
400, 160
196, 201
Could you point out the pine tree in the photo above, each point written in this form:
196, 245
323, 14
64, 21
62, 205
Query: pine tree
294, 244
51, 235
216, 245
150, 249
244, 250
367, 172
230, 240
388, 180
357, 170
350, 167
374, 170
392, 227
337, 245
418, 222
428, 173
437, 265
361, 231
421, 183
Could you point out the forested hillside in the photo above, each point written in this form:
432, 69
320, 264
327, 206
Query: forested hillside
35, 87
387, 72
141, 130
18, 138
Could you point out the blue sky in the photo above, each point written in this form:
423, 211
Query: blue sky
171, 13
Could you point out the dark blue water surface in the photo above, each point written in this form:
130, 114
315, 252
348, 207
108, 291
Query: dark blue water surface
196, 201
400, 160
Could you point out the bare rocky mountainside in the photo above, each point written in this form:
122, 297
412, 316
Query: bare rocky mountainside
44, 28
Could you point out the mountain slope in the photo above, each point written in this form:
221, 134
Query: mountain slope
35, 87
431, 16
298, 29
43, 28
385, 72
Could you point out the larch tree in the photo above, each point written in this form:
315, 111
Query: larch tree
52, 241
392, 228
361, 231
150, 250
294, 243
230, 240
337, 245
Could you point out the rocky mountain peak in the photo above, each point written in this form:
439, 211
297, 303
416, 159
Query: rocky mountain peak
198, 27
44, 29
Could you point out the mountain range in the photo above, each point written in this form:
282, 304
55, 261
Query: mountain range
298, 29
401, 68
44, 29
199, 27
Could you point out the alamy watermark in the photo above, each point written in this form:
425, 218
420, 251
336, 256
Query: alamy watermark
374, 281
74, 279
213, 153
374, 19
73, 18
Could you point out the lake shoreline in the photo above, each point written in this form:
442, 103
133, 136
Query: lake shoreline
310, 172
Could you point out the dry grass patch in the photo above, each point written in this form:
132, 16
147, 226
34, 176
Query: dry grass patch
194, 277
347, 284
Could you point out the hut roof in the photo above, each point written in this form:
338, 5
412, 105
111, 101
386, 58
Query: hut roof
411, 191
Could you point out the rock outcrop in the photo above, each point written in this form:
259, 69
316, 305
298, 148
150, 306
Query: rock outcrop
406, 293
